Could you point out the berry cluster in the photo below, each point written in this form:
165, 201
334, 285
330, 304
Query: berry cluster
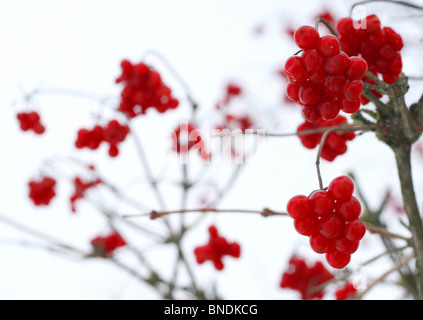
346, 291
42, 191
31, 121
143, 89
216, 248
335, 143
104, 246
113, 134
305, 279
331, 219
187, 137
80, 188
324, 80
378, 46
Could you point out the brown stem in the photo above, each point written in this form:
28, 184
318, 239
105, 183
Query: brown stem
402, 155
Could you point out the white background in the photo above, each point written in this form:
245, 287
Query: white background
79, 45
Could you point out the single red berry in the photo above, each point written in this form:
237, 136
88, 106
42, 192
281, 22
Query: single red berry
306, 37
350, 106
310, 94
355, 230
334, 84
341, 188
352, 90
292, 91
299, 207
350, 210
295, 69
346, 246
311, 114
358, 68
313, 60
319, 243
329, 45
322, 205
338, 63
332, 226
337, 259
329, 109
307, 226
346, 291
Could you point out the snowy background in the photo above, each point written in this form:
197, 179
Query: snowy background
78, 45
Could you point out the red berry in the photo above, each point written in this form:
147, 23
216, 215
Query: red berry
329, 45
355, 230
358, 68
338, 63
346, 246
310, 94
322, 205
307, 226
350, 106
292, 91
341, 189
306, 37
332, 226
313, 60
319, 243
299, 207
329, 109
295, 69
393, 38
352, 90
337, 260
311, 114
349, 210
335, 83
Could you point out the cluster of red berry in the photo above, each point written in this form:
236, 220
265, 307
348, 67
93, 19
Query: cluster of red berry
114, 133
331, 219
80, 188
324, 80
104, 246
335, 143
42, 191
143, 89
305, 279
216, 248
346, 291
187, 137
31, 121
378, 46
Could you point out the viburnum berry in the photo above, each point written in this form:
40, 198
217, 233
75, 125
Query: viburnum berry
187, 137
113, 133
346, 291
31, 121
306, 37
379, 46
42, 191
335, 143
216, 249
331, 219
337, 259
323, 76
105, 246
306, 279
80, 188
143, 89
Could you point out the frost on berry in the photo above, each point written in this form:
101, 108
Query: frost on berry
305, 278
31, 121
216, 249
105, 246
42, 191
143, 88
323, 77
330, 218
